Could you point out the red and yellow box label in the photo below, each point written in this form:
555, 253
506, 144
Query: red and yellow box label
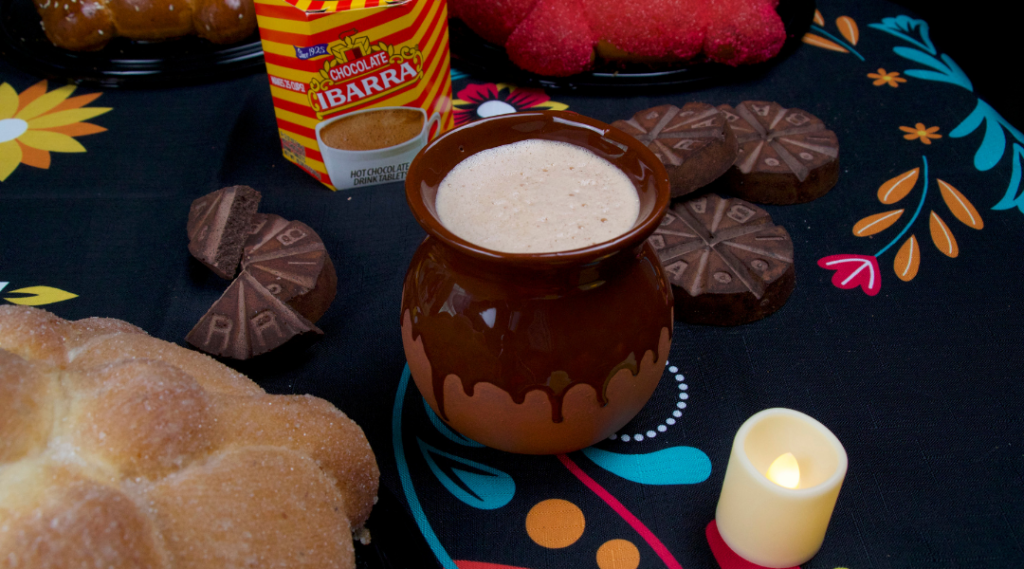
327, 60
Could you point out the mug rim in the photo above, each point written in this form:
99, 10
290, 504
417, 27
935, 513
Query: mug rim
395, 148
635, 236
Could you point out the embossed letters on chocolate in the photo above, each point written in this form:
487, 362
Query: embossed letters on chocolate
727, 262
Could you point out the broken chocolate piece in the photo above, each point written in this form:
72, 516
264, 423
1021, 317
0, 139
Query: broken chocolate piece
727, 262
289, 259
218, 225
695, 142
247, 321
786, 156
264, 227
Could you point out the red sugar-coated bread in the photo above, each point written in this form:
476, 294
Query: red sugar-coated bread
649, 30
493, 21
561, 37
552, 39
743, 31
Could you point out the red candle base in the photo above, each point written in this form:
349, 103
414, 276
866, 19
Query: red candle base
726, 557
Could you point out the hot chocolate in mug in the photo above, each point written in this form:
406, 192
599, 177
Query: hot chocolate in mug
373, 146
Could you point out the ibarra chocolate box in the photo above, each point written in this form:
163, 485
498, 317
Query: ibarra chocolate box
359, 86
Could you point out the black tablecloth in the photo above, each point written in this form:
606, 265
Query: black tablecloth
921, 381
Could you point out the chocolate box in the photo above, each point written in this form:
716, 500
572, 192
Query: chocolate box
372, 78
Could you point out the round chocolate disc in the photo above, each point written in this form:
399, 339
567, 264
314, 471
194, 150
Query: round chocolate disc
694, 142
727, 262
786, 156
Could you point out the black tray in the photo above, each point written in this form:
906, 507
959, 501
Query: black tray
122, 63
482, 59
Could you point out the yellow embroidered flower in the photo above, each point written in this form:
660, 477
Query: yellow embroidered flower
891, 78
38, 122
919, 131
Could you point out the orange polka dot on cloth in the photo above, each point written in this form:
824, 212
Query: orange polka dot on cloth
555, 523
618, 554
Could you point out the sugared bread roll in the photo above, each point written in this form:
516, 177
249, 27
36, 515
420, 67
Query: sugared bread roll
82, 25
54, 516
121, 450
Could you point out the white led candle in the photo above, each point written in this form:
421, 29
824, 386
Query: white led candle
780, 488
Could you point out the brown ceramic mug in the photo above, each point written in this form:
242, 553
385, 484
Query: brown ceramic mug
537, 353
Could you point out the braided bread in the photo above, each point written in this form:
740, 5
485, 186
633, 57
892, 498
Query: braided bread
121, 450
85, 25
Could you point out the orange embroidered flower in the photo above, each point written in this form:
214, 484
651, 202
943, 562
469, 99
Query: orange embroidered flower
891, 78
921, 133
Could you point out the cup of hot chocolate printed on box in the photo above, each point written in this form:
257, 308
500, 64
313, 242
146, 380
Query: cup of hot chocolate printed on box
358, 86
536, 317
373, 146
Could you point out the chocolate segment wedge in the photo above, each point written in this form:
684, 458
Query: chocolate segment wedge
247, 321
786, 156
695, 142
727, 262
264, 227
289, 259
218, 225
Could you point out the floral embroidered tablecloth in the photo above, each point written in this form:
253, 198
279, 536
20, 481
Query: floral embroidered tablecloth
903, 335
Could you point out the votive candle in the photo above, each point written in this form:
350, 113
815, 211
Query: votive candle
768, 522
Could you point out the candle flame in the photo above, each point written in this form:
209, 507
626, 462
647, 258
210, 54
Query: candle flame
785, 471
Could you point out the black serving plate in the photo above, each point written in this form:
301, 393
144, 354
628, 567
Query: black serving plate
396, 542
122, 63
482, 59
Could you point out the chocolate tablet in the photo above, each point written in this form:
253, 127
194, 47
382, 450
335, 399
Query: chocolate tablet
695, 143
218, 225
786, 156
289, 259
727, 262
264, 227
247, 321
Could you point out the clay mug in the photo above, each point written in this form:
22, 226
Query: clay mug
538, 353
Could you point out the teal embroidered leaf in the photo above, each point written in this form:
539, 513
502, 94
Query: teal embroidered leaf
946, 70
473, 483
982, 112
1011, 199
994, 143
971, 123
921, 57
957, 72
674, 465
992, 147
926, 75
902, 26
